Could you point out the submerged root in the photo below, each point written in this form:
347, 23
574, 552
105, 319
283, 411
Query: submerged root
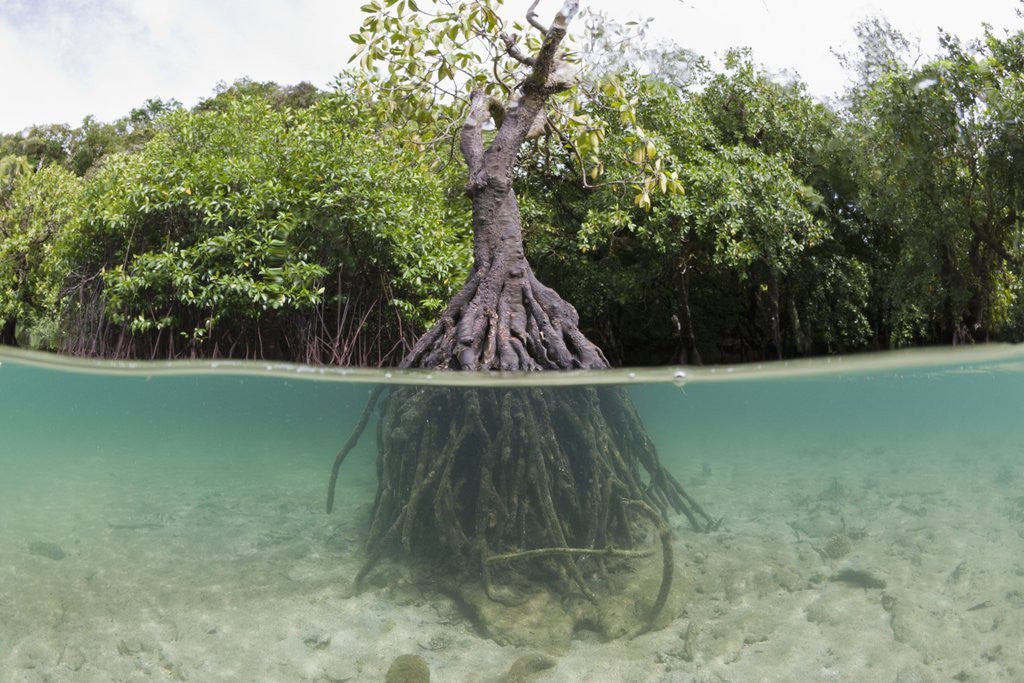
353, 439
528, 484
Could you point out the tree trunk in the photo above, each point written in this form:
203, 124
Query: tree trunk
504, 318
688, 352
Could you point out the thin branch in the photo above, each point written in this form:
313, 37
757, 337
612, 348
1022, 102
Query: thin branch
665, 537
513, 50
497, 78
582, 164
547, 76
582, 552
353, 439
531, 17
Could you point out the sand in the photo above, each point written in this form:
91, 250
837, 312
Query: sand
884, 563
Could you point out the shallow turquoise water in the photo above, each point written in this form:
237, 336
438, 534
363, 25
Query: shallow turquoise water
186, 501
278, 416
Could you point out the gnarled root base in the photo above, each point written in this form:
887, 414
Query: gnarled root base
522, 487
504, 318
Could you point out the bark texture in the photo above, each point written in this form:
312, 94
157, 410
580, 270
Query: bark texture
504, 318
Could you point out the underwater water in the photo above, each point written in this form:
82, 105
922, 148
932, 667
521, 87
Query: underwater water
166, 522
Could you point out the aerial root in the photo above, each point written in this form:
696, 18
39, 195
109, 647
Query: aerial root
667, 563
582, 552
353, 439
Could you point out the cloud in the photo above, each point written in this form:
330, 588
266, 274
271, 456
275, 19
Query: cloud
103, 57
65, 59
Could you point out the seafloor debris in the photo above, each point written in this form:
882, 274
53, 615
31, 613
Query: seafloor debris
47, 549
524, 667
860, 578
837, 546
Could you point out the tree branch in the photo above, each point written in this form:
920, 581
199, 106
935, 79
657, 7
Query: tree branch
482, 106
472, 144
550, 74
531, 17
546, 57
513, 50
497, 111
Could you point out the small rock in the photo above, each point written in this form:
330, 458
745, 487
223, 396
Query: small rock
859, 578
408, 669
339, 672
72, 658
131, 647
527, 665
1015, 598
789, 580
31, 655
317, 641
824, 610
47, 549
437, 643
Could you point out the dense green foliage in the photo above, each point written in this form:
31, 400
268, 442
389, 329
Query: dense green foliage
937, 160
299, 224
887, 220
239, 228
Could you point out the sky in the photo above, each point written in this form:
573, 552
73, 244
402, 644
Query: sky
64, 59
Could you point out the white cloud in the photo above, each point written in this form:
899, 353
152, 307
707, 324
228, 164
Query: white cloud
799, 35
76, 57
65, 59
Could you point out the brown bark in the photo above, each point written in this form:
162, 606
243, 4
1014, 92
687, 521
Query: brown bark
504, 318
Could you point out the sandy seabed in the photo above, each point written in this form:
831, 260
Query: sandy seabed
884, 563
